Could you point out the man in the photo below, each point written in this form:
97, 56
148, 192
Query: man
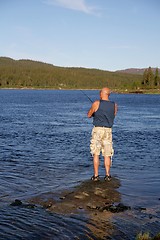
103, 112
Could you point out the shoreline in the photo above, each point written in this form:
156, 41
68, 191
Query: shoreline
117, 91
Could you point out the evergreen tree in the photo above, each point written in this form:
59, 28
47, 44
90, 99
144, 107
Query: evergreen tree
150, 77
145, 78
157, 78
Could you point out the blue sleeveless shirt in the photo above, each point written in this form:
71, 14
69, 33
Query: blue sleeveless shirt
104, 116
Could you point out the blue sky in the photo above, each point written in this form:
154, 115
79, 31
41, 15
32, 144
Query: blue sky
103, 34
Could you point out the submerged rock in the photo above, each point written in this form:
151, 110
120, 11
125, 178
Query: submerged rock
90, 196
18, 203
140, 208
96, 199
117, 208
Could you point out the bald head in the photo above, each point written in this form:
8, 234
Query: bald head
104, 93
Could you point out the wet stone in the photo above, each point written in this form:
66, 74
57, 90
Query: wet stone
61, 198
18, 203
82, 195
117, 208
140, 208
91, 206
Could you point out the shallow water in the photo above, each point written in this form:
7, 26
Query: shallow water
44, 141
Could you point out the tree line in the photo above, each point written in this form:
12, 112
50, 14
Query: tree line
34, 74
151, 79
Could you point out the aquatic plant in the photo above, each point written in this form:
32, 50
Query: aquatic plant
146, 236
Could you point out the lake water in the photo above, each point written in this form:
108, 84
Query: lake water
44, 147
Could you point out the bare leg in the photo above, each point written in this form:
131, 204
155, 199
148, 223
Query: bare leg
96, 165
107, 164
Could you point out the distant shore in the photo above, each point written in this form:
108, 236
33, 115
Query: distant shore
118, 91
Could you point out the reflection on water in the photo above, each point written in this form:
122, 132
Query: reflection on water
44, 141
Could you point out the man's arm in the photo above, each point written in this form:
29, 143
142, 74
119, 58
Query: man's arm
93, 109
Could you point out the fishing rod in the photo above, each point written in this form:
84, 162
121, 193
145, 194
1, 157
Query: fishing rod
86, 95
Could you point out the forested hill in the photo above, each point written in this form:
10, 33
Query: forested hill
33, 74
139, 71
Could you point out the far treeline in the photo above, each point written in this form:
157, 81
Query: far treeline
33, 74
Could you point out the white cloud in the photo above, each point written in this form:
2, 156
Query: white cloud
78, 5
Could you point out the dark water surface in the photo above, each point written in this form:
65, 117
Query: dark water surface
44, 147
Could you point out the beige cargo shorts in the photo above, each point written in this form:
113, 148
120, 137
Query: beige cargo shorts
101, 141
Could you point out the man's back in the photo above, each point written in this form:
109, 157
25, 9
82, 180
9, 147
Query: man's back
104, 116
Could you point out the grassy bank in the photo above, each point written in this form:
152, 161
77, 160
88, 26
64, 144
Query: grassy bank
120, 91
